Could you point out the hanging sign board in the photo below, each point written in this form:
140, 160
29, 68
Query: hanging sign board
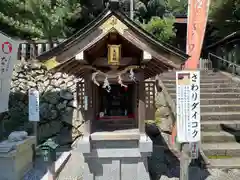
188, 106
33, 105
114, 54
8, 58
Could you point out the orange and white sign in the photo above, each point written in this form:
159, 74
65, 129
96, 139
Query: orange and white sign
197, 21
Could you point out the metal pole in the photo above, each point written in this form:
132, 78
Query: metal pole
131, 9
184, 161
2, 125
51, 171
35, 129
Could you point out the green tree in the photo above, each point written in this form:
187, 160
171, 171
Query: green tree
161, 28
45, 19
157, 16
225, 17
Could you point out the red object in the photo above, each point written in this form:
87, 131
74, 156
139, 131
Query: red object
126, 89
116, 117
6, 47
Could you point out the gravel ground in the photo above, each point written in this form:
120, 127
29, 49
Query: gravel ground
38, 171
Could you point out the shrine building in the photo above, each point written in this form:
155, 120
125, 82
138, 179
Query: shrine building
118, 62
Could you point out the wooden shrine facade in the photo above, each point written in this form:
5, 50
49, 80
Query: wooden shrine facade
116, 60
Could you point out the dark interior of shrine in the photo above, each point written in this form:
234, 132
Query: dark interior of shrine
116, 103
116, 108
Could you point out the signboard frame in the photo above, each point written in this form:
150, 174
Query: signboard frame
188, 106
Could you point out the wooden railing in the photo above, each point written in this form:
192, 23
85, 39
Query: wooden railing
30, 49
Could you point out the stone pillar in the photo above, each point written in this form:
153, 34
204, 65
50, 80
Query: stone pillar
84, 144
141, 105
88, 108
145, 143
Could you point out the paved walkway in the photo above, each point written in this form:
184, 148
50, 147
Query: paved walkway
163, 165
74, 169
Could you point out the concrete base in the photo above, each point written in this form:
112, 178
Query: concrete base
116, 159
14, 164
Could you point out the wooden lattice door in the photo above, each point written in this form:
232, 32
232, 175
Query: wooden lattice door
150, 100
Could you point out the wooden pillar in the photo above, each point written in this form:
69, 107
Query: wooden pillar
88, 104
141, 104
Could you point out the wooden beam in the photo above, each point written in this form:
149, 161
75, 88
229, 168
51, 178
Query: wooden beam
80, 73
63, 65
82, 45
123, 62
80, 57
157, 61
143, 44
77, 68
69, 67
146, 57
157, 66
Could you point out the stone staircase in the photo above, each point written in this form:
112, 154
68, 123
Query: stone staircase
116, 124
220, 116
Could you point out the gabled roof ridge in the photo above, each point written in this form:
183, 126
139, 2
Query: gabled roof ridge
152, 37
108, 12
78, 34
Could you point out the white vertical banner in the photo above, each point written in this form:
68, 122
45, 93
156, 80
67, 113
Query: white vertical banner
188, 106
8, 58
33, 105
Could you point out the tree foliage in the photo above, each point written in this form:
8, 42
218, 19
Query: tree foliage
39, 18
50, 19
225, 16
157, 16
161, 28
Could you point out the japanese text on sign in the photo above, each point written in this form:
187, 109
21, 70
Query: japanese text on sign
188, 106
33, 105
8, 58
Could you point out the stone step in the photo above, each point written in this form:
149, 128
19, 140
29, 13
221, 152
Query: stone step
225, 163
220, 137
221, 101
111, 127
217, 126
211, 90
116, 121
214, 95
220, 116
206, 85
231, 149
201, 80
202, 76
220, 108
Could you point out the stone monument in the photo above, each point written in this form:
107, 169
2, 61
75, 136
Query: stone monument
16, 155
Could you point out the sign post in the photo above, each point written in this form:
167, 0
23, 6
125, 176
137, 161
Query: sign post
188, 116
33, 107
8, 58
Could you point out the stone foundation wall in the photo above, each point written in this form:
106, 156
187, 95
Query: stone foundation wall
163, 111
58, 113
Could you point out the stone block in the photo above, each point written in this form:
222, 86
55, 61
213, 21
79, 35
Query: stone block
16, 162
145, 144
121, 159
83, 144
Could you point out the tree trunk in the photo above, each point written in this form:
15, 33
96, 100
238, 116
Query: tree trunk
50, 42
